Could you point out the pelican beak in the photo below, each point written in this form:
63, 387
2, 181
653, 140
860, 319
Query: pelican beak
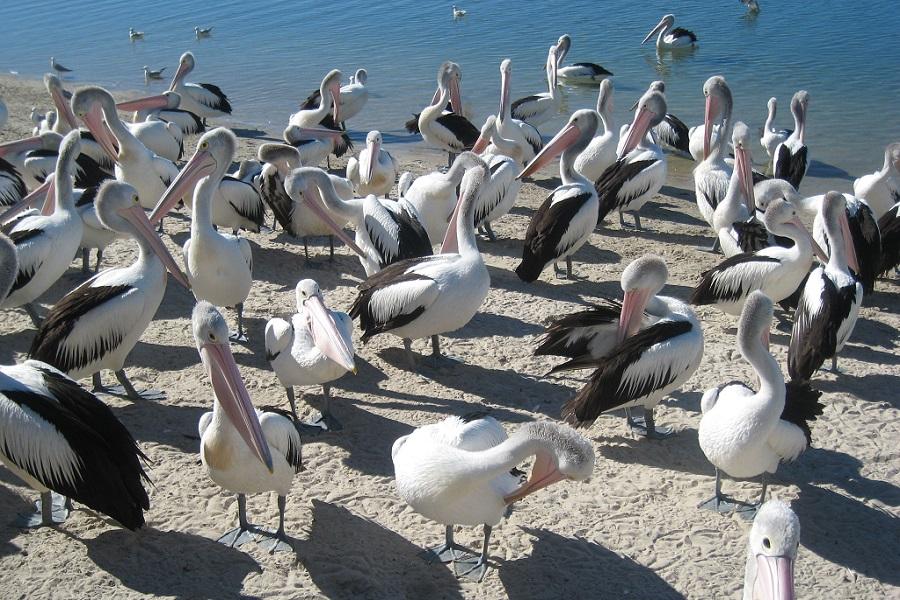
562, 140
50, 199
632, 313
326, 335
201, 164
655, 30
147, 103
817, 249
849, 247
97, 126
436, 97
314, 201
455, 96
231, 393
137, 217
711, 111
19, 146
482, 142
179, 75
637, 131
745, 176
764, 338
543, 473
774, 578
374, 150
504, 94
316, 133
450, 244
335, 89
45, 189
63, 108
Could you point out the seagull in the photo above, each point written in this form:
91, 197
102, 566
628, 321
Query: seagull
153, 73
458, 12
135, 35
202, 32
58, 67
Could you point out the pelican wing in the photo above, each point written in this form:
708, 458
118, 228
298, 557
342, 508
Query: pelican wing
619, 184
531, 134
32, 249
89, 172
282, 437
734, 278
866, 241
674, 133
456, 131
12, 188
244, 199
271, 190
279, 334
212, 96
889, 226
790, 166
188, 122
527, 107
585, 333
546, 234
801, 407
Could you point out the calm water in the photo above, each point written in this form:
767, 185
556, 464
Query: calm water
268, 55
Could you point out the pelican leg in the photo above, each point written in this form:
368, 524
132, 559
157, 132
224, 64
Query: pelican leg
720, 502
99, 258
324, 421
748, 511
85, 261
557, 272
646, 427
489, 232
330, 247
569, 268
477, 566
637, 221
243, 532
36, 319
239, 335
277, 541
407, 345
448, 552
716, 246
97, 381
290, 395
834, 367
622, 220
126, 389
51, 509
159, 229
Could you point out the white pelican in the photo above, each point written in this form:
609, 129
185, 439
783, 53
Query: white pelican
205, 100
771, 136
526, 137
327, 114
711, 176
458, 472
96, 325
540, 108
46, 245
499, 194
375, 170
565, 220
640, 169
790, 160
450, 132
739, 204
601, 151
580, 72
95, 235
58, 67
747, 434
294, 217
164, 107
244, 450
353, 97
881, 189
219, 266
772, 547
642, 349
668, 38
34, 159
314, 348
424, 297
386, 231
775, 270
829, 305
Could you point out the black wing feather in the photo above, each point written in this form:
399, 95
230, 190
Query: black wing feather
802, 406
704, 292
556, 342
610, 183
546, 229
867, 244
889, 226
221, 103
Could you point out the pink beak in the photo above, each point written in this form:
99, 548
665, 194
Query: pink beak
374, 152
774, 578
562, 140
637, 131
745, 175
712, 109
481, 143
45, 189
504, 95
314, 202
336, 100
817, 249
326, 335
849, 247
632, 313
455, 96
316, 133
179, 75
19, 146
231, 393
200, 165
543, 473
450, 244
63, 108
137, 217
97, 126
436, 97
148, 103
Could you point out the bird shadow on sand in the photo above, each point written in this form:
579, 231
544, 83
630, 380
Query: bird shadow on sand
11, 505
649, 233
16, 345
871, 387
822, 465
287, 265
869, 332
163, 423
681, 452
563, 564
352, 557
485, 324
170, 563
883, 300
681, 194
255, 134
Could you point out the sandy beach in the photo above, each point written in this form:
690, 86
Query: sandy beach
632, 531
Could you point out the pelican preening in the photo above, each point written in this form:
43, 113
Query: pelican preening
540, 108
739, 204
745, 433
205, 100
353, 98
375, 170
642, 349
244, 450
326, 113
668, 38
790, 159
450, 132
580, 72
457, 472
434, 197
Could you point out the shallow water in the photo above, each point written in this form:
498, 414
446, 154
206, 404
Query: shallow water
268, 56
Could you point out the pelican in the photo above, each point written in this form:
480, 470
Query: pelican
58, 67
640, 169
375, 169
34, 160
202, 32
600, 153
580, 72
745, 433
327, 114
739, 204
295, 217
540, 108
133, 34
772, 137
314, 348
164, 107
153, 73
526, 137
96, 325
450, 132
457, 472
668, 38
95, 235
424, 297
790, 160
353, 97
889, 226
12, 187
673, 134
829, 305
565, 220
219, 266
205, 100
499, 194
772, 547
881, 189
244, 450
642, 349
711, 176
386, 231
46, 245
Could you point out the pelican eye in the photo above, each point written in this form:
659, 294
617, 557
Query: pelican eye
135, 199
766, 543
204, 145
212, 338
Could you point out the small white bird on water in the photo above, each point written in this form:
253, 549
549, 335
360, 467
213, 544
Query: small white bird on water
153, 73
58, 67
202, 32
458, 12
133, 34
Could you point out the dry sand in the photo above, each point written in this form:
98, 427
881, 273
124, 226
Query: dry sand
632, 531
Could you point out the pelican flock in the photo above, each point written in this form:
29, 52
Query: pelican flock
496, 432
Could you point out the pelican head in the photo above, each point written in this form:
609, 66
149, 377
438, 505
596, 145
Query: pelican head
892, 157
449, 78
651, 110
754, 323
641, 280
718, 107
211, 337
799, 108
284, 156
325, 333
765, 192
361, 76
185, 65
95, 106
9, 265
505, 74
834, 214
664, 25
576, 134
563, 45
487, 132
373, 147
771, 551
57, 94
331, 85
605, 98
781, 218
743, 162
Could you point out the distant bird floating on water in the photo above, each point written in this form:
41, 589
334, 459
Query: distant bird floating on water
202, 32
580, 72
134, 34
458, 12
752, 5
153, 73
58, 67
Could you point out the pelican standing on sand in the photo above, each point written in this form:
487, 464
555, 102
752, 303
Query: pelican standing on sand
790, 160
771, 551
457, 472
600, 153
205, 100
711, 176
642, 349
450, 132
566, 219
424, 297
738, 207
219, 266
501, 191
668, 38
96, 325
244, 450
375, 170
745, 433
314, 348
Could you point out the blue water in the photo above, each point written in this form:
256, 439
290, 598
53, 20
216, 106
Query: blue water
268, 55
